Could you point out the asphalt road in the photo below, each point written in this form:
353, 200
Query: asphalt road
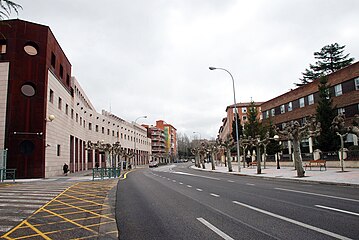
181, 203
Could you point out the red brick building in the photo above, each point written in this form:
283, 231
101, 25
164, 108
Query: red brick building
242, 109
301, 102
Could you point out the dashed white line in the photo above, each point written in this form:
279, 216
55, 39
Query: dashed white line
174, 181
189, 186
214, 229
317, 194
293, 221
337, 210
181, 183
250, 184
214, 195
199, 190
231, 181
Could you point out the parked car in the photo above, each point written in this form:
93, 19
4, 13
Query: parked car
153, 164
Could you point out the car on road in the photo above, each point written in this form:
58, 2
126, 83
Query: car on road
153, 164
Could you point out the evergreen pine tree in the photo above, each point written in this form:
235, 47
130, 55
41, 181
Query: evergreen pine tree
252, 127
327, 140
329, 59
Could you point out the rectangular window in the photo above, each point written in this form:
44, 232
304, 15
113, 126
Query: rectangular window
290, 106
59, 106
338, 90
310, 99
51, 98
341, 111
121, 135
84, 123
67, 80
80, 121
244, 118
67, 109
96, 128
103, 130
272, 112
356, 82
2, 46
58, 150
244, 110
77, 117
108, 132
61, 71
282, 109
72, 114
267, 114
53, 60
90, 126
113, 133
301, 103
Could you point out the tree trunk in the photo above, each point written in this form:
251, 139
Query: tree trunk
201, 157
259, 169
212, 161
298, 158
196, 157
229, 161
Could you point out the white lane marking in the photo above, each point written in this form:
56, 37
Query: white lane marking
168, 179
317, 194
338, 210
181, 183
189, 186
230, 181
173, 180
250, 184
199, 190
194, 175
214, 229
214, 195
293, 221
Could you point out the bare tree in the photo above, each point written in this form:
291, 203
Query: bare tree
6, 7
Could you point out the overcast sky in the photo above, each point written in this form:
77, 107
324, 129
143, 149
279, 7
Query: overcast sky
151, 57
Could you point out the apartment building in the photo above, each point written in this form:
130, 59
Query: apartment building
242, 109
46, 119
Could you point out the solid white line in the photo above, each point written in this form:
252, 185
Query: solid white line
199, 190
317, 194
214, 229
214, 195
293, 221
338, 210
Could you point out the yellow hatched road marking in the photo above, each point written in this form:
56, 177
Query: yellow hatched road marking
37, 230
84, 200
70, 221
40, 209
85, 210
93, 195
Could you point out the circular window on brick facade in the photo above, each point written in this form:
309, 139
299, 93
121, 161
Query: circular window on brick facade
28, 90
31, 48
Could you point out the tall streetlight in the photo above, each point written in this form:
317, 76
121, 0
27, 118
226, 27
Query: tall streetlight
236, 112
134, 140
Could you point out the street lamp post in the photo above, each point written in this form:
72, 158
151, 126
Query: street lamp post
134, 140
236, 113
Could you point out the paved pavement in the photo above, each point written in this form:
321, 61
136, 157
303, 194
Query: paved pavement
61, 207
332, 175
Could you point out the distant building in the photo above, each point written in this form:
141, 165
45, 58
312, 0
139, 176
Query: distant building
35, 86
164, 141
242, 109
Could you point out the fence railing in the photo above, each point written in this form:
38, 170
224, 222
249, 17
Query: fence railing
105, 173
7, 174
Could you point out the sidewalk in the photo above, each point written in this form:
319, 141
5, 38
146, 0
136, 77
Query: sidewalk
331, 176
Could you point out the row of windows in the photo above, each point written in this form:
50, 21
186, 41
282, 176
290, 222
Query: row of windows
337, 90
107, 131
61, 69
